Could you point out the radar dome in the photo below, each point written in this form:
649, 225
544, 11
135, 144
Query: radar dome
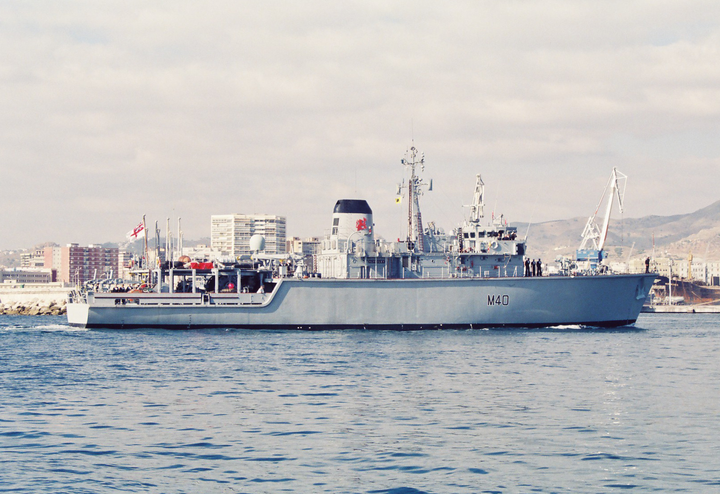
257, 243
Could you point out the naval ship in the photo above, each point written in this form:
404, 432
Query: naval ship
474, 277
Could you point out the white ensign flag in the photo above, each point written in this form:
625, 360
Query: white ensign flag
136, 233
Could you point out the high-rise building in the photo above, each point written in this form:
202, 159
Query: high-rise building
230, 233
53, 259
81, 264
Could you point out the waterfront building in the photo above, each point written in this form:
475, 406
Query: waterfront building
306, 247
637, 265
230, 233
713, 273
706, 272
25, 259
27, 275
661, 265
81, 264
35, 257
309, 248
199, 252
52, 258
125, 264
32, 259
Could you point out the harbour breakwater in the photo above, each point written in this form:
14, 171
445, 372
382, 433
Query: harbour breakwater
34, 308
33, 299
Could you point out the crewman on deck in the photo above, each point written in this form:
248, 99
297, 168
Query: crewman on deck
647, 264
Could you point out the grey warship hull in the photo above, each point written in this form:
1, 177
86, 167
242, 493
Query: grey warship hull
395, 304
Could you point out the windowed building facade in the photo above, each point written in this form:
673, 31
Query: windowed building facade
81, 264
230, 233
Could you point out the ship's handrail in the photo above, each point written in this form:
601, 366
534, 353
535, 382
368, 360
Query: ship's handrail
77, 296
176, 299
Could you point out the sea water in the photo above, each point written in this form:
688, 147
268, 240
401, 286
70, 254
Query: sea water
552, 410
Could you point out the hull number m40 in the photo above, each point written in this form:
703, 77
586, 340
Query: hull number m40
498, 300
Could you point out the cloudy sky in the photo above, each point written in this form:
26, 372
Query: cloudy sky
115, 109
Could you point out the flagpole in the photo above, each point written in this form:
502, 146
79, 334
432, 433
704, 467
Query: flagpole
147, 258
157, 244
167, 241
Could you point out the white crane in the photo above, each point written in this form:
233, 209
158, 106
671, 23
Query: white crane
477, 208
593, 237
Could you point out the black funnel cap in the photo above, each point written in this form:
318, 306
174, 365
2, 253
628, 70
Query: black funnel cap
353, 206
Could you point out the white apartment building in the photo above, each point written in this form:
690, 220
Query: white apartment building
124, 264
199, 252
309, 248
230, 233
707, 272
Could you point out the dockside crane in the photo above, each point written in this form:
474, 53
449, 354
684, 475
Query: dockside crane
593, 237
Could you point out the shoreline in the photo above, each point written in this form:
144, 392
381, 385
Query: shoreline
681, 309
33, 309
33, 299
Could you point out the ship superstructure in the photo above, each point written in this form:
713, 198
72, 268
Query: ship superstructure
478, 248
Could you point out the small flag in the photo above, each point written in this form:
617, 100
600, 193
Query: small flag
136, 233
398, 200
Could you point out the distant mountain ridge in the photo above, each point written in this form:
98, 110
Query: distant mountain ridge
677, 235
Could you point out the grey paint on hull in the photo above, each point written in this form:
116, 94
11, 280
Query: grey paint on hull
400, 304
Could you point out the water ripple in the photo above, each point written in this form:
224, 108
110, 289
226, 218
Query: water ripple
566, 410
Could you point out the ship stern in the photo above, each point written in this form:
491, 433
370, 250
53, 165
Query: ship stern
77, 314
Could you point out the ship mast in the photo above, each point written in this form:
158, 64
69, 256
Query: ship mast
413, 158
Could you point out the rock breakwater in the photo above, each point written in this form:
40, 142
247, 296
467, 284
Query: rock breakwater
34, 308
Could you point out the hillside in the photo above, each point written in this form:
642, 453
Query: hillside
677, 235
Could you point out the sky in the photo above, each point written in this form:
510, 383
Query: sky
117, 109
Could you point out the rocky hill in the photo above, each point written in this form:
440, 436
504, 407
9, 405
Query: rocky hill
697, 233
